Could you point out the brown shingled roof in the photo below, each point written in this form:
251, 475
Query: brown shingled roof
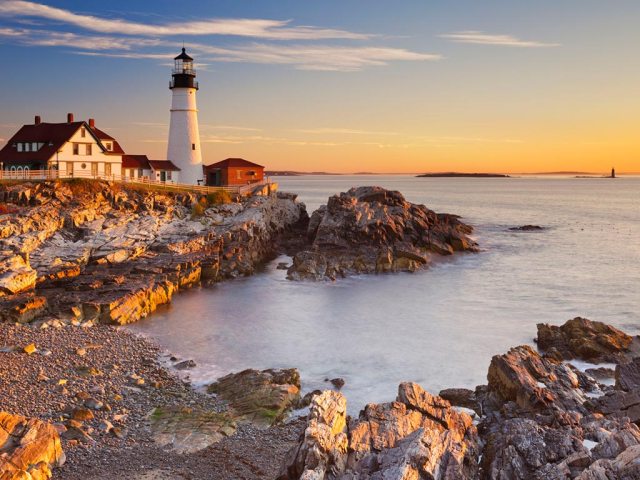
55, 134
135, 161
163, 165
117, 149
232, 162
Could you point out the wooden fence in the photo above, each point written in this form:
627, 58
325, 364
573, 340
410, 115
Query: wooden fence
53, 174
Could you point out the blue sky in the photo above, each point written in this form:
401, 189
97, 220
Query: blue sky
341, 85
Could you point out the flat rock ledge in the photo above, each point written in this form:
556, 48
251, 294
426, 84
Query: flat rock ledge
373, 230
29, 448
96, 252
538, 418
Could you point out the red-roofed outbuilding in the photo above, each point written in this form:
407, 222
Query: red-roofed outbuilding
233, 171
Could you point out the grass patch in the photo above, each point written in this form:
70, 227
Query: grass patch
219, 197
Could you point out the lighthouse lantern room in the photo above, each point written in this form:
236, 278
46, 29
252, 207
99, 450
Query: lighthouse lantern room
184, 136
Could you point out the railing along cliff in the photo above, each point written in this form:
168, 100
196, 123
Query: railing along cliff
144, 181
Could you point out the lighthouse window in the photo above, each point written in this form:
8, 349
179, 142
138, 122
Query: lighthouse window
193, 146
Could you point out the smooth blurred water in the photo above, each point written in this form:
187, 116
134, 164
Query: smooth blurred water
438, 327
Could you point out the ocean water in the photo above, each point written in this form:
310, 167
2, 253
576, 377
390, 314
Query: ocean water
438, 327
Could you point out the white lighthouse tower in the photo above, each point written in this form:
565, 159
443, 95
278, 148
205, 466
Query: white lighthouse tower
184, 136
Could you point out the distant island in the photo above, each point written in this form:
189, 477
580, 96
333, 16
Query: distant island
459, 174
291, 173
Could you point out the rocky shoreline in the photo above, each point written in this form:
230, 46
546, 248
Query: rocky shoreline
81, 398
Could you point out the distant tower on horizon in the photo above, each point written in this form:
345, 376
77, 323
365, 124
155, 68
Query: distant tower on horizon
184, 135
613, 173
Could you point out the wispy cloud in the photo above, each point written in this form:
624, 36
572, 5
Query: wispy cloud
301, 57
244, 27
481, 38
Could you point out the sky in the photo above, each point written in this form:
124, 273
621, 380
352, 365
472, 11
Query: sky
342, 85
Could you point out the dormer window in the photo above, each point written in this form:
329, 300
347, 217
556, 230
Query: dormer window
19, 147
27, 147
108, 146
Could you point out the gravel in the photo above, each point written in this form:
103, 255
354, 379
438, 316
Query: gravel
117, 375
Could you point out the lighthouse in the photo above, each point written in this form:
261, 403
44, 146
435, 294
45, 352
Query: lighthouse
184, 136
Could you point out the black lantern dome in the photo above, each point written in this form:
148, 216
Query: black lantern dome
184, 75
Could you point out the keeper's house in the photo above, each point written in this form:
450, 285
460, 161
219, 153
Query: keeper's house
75, 149
233, 172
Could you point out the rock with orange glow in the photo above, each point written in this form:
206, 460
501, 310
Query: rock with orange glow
373, 230
417, 436
29, 448
584, 339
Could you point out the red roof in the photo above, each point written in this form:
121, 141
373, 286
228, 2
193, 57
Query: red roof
53, 135
135, 161
167, 165
232, 162
117, 149
142, 161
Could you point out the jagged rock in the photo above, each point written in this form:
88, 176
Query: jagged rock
628, 375
187, 430
461, 397
322, 452
261, 397
29, 448
521, 449
417, 436
535, 383
625, 466
584, 339
16, 275
116, 254
23, 308
618, 404
370, 229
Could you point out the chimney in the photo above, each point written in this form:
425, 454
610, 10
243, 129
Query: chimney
38, 120
92, 122
69, 117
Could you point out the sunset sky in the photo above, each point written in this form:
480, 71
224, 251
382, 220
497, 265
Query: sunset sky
342, 85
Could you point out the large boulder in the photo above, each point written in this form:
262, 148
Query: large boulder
585, 340
16, 275
536, 383
322, 452
370, 229
522, 449
29, 448
417, 436
261, 397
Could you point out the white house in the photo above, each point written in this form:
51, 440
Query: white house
75, 149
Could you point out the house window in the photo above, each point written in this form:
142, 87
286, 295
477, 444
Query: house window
94, 169
76, 149
108, 145
169, 175
83, 132
193, 146
140, 173
27, 147
34, 147
19, 147
239, 174
89, 148
107, 169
